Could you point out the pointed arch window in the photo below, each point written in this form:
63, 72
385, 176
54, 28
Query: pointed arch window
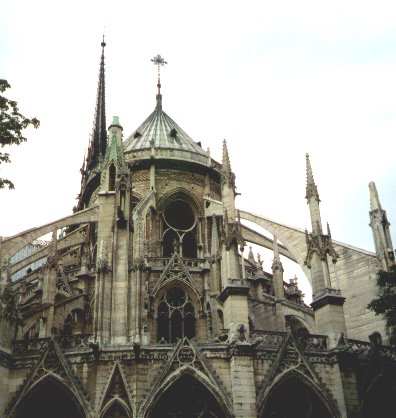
176, 316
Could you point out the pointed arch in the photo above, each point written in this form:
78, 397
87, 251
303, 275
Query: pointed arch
116, 408
116, 394
180, 193
49, 397
189, 392
305, 398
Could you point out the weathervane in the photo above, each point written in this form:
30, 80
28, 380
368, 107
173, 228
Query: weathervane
159, 61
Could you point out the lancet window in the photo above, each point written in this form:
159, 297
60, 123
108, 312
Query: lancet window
176, 316
180, 229
112, 177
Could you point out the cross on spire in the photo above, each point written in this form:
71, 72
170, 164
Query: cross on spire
159, 62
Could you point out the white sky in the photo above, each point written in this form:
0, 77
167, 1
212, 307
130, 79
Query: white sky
276, 79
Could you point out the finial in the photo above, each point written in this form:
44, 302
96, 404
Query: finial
159, 62
103, 44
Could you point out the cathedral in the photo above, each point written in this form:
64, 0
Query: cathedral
148, 302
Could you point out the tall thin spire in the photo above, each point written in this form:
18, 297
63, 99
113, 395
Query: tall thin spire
277, 271
98, 143
226, 172
159, 62
311, 190
381, 233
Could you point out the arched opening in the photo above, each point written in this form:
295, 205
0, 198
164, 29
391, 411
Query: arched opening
116, 410
176, 316
112, 177
380, 400
295, 399
180, 225
74, 323
171, 238
33, 331
49, 399
189, 245
187, 397
296, 326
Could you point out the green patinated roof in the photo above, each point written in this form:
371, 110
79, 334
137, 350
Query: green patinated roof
162, 132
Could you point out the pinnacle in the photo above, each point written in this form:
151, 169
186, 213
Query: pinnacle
311, 189
226, 165
374, 198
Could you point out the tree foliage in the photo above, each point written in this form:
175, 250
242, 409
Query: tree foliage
8, 306
385, 303
12, 124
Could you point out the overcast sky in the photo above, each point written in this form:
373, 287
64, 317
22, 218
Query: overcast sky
277, 79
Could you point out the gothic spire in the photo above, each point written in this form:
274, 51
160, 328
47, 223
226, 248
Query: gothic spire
226, 165
98, 143
381, 232
311, 190
227, 175
374, 198
277, 271
313, 200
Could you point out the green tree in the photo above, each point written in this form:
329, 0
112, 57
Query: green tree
8, 306
12, 123
385, 303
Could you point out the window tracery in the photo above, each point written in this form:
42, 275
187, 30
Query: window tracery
180, 225
176, 316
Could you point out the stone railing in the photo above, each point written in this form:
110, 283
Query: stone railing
38, 345
312, 342
267, 339
365, 347
31, 346
273, 339
190, 263
222, 336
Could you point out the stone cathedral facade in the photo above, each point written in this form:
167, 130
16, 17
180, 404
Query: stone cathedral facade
148, 303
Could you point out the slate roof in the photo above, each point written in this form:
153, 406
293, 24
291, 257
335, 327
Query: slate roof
164, 132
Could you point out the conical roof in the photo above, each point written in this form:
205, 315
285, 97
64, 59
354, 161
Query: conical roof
165, 135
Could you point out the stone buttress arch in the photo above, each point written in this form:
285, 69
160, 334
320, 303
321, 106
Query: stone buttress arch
11, 245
